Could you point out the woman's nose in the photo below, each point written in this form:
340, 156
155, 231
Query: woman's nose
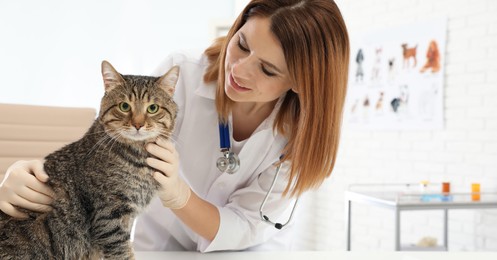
244, 67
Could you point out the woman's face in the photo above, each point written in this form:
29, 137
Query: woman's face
255, 66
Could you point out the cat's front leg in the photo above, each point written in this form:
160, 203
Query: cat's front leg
120, 251
111, 235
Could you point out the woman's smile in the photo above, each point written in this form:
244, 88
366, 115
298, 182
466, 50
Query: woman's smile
236, 86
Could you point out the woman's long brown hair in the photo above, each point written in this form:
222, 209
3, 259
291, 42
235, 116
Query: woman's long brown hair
315, 43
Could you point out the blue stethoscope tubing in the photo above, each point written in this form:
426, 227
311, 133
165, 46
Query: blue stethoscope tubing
224, 136
230, 163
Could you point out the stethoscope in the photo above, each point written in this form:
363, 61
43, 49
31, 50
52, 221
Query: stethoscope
230, 163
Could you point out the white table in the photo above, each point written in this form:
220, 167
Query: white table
403, 197
315, 255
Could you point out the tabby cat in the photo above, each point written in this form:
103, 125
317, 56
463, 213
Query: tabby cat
101, 181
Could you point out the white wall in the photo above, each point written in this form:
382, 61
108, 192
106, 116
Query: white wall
50, 51
465, 151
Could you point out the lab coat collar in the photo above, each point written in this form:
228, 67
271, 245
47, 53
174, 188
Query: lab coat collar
207, 90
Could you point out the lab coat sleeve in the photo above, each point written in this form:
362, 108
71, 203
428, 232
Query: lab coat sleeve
240, 224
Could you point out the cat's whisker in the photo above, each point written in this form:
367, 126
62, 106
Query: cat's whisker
103, 142
166, 133
171, 138
97, 145
114, 139
176, 142
97, 133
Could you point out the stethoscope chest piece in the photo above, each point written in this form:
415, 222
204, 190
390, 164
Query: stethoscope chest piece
229, 162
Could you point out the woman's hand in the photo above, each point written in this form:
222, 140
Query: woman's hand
174, 192
23, 186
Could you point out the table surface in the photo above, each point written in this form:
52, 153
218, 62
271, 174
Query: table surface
317, 255
410, 194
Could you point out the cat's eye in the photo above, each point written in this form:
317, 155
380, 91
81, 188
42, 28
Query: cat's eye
152, 109
125, 107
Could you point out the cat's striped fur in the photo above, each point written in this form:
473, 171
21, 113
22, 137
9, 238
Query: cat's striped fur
101, 181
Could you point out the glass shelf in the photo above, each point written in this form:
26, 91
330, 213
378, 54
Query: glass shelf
414, 194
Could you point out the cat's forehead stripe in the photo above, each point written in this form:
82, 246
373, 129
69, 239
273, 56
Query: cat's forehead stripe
134, 94
145, 92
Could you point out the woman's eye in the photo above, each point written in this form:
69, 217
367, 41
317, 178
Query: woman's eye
125, 107
267, 72
243, 48
152, 109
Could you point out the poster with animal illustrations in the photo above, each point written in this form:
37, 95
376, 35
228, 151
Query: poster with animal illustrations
396, 78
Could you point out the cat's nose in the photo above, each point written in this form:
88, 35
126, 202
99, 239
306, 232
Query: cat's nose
138, 121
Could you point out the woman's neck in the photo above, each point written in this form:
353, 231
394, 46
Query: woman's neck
248, 116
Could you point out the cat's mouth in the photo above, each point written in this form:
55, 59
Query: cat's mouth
138, 135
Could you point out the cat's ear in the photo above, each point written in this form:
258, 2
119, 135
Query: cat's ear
168, 81
111, 77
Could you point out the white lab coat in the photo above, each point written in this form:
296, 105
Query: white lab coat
237, 196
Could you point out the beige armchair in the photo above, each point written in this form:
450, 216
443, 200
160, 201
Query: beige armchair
32, 132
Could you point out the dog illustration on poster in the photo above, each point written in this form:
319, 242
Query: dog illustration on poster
360, 71
399, 103
432, 58
409, 53
375, 72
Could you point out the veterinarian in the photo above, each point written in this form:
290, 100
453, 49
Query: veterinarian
268, 99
